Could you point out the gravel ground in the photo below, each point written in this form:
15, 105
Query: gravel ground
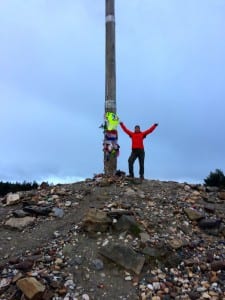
182, 260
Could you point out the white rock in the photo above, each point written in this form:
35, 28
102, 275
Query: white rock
214, 285
105, 243
12, 198
128, 278
69, 283
187, 188
5, 282
156, 285
150, 287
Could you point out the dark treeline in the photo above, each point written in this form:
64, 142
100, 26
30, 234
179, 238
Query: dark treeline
8, 187
216, 178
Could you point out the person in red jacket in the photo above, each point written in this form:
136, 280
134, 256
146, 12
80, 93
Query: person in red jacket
137, 136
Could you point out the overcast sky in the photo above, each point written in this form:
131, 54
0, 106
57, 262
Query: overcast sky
170, 68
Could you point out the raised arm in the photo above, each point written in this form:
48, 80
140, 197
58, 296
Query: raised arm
153, 127
127, 131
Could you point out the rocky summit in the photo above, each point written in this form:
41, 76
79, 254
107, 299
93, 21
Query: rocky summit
113, 238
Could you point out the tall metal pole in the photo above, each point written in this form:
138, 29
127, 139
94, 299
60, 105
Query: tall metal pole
110, 165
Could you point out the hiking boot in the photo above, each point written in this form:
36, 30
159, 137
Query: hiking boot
130, 176
142, 177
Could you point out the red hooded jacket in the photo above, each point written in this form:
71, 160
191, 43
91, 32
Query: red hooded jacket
137, 137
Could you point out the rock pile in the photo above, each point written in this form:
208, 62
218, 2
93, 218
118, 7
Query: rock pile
113, 238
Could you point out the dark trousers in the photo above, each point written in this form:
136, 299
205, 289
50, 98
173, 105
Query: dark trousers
140, 154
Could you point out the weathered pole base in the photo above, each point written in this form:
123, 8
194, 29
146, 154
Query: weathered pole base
110, 165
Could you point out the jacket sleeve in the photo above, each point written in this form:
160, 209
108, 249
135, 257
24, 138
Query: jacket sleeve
146, 132
127, 131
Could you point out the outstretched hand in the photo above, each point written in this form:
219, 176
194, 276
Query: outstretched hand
156, 124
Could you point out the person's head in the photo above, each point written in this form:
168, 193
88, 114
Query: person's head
137, 128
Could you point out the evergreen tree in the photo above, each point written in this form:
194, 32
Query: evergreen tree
215, 178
